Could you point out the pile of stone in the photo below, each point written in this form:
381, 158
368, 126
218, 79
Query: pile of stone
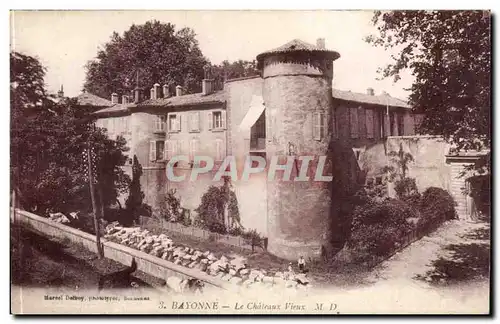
63, 219
233, 269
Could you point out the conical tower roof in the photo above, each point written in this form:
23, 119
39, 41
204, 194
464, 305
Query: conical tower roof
298, 45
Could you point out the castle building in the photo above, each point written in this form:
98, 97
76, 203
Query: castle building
289, 110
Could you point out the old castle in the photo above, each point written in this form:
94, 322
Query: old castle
291, 109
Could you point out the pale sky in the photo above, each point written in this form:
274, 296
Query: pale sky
65, 40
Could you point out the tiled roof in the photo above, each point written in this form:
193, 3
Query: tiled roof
88, 99
185, 100
381, 100
115, 108
298, 45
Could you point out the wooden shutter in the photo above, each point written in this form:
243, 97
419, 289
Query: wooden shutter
179, 123
353, 114
318, 127
168, 150
223, 119
210, 120
192, 149
369, 123
197, 121
152, 150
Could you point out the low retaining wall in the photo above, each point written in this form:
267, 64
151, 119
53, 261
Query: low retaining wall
123, 254
200, 233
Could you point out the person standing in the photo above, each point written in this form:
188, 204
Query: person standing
302, 264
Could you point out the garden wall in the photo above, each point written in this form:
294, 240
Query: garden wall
147, 263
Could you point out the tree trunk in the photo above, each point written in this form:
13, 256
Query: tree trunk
94, 204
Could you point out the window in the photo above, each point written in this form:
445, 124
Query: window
219, 153
319, 125
401, 124
392, 124
217, 120
174, 123
170, 149
156, 150
194, 121
353, 116
369, 123
381, 123
193, 148
160, 123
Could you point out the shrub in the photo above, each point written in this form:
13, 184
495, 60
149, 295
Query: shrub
215, 204
217, 228
378, 227
405, 187
436, 206
236, 231
253, 238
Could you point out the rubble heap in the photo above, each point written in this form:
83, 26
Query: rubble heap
233, 269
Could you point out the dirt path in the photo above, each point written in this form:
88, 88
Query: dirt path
457, 252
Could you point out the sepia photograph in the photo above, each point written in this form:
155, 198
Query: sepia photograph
250, 162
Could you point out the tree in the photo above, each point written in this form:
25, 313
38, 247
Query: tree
155, 51
236, 69
134, 202
47, 141
218, 210
449, 53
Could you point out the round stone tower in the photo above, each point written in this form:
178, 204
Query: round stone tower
297, 93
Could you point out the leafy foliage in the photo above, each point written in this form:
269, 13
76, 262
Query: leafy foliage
449, 53
253, 238
436, 205
215, 204
134, 203
47, 141
232, 70
406, 188
378, 227
156, 51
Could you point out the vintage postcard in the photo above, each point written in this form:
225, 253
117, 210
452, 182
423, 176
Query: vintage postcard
250, 162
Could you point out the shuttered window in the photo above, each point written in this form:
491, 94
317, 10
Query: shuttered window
354, 122
160, 123
217, 120
193, 148
152, 150
319, 125
174, 123
369, 123
194, 121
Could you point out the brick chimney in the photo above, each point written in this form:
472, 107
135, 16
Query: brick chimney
178, 91
60, 93
166, 91
320, 43
114, 98
124, 99
152, 93
156, 88
207, 86
370, 92
137, 95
